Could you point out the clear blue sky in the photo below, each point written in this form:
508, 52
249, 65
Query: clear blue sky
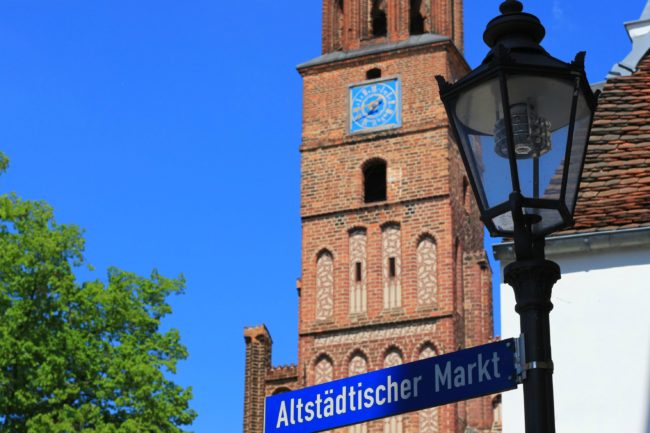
170, 130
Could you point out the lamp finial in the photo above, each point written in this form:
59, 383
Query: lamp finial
514, 28
511, 7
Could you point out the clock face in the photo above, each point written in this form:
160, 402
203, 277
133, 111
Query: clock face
375, 105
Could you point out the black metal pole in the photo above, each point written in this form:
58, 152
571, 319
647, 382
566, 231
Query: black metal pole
533, 282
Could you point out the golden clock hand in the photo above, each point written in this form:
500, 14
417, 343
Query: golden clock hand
369, 104
374, 104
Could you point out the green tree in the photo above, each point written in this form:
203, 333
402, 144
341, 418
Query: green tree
81, 357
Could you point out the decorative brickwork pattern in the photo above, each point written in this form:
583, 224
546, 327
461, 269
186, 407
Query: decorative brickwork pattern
428, 418
392, 265
392, 359
427, 263
358, 365
323, 372
394, 423
358, 295
386, 334
324, 286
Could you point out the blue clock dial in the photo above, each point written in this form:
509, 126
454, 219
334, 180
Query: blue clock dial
375, 105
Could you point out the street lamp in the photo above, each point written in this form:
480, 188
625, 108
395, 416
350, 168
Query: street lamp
522, 121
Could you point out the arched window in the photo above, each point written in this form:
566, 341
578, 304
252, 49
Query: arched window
358, 365
324, 371
428, 418
393, 357
358, 298
281, 390
378, 18
374, 181
324, 286
338, 24
373, 74
427, 269
393, 424
418, 17
392, 265
427, 351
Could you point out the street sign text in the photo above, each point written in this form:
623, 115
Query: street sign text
418, 385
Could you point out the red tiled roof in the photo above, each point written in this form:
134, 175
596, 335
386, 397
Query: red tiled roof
615, 188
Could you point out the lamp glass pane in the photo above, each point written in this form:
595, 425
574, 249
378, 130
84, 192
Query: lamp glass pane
584, 116
540, 109
504, 222
475, 114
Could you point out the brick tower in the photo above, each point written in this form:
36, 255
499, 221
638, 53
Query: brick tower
393, 265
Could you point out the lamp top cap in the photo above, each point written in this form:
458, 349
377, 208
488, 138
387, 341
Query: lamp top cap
514, 28
511, 6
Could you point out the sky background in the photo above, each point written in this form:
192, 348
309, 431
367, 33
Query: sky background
170, 130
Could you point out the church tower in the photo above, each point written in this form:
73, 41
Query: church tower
393, 265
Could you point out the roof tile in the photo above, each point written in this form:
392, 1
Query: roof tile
615, 187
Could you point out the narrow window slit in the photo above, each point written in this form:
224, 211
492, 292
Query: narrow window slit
417, 19
379, 19
357, 272
392, 271
339, 24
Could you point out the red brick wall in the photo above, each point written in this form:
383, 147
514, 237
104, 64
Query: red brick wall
445, 18
425, 196
331, 232
325, 91
425, 177
281, 379
374, 342
258, 362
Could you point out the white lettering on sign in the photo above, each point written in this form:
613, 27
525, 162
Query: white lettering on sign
348, 399
464, 375
446, 376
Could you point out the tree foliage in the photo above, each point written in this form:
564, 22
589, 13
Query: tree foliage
81, 357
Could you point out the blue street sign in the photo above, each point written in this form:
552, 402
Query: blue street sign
392, 391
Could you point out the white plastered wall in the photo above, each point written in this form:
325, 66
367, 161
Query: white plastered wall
600, 334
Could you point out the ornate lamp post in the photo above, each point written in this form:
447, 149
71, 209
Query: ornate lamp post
522, 121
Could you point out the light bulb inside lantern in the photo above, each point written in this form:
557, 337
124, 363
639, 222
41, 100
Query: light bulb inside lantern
531, 133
